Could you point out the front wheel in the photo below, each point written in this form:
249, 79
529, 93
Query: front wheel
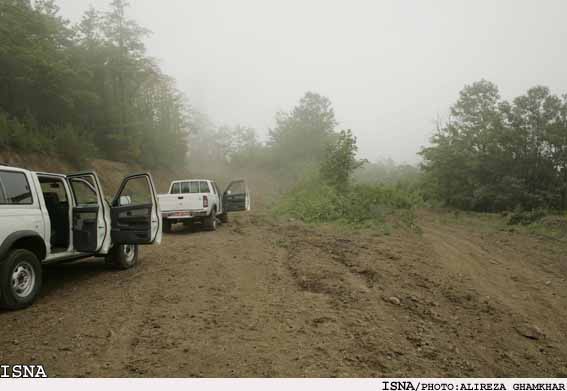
20, 279
123, 256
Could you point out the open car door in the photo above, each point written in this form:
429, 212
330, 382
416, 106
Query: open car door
135, 215
236, 197
90, 227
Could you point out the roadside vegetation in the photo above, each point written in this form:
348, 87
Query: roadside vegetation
493, 155
328, 193
490, 156
89, 90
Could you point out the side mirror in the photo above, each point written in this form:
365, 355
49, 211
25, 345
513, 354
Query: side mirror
125, 200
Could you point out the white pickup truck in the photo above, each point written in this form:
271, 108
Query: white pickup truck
47, 218
200, 200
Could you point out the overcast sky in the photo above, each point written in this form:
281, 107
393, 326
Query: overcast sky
389, 67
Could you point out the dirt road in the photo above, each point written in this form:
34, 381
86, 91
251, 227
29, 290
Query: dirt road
265, 298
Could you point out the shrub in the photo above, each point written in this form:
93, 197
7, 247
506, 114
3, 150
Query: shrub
22, 136
74, 145
313, 201
526, 217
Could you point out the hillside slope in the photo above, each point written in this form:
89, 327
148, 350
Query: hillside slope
110, 173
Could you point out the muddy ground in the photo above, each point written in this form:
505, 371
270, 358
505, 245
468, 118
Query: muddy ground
454, 297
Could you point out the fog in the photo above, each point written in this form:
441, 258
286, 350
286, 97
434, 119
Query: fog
389, 67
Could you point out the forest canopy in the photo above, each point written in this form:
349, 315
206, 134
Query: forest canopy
91, 88
494, 155
87, 87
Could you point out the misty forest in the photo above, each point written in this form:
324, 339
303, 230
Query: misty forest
90, 90
284, 189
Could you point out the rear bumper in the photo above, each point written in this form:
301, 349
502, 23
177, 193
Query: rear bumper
183, 214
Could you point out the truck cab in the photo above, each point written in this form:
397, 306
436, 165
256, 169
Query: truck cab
200, 200
47, 218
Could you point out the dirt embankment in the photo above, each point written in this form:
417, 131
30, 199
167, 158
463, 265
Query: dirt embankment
262, 297
262, 186
110, 173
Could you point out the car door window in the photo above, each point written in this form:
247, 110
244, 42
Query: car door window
136, 191
84, 191
14, 188
134, 212
238, 187
55, 187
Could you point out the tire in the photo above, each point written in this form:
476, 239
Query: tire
166, 226
20, 279
123, 256
224, 218
211, 221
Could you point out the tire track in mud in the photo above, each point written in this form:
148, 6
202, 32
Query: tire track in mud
262, 297
504, 290
352, 277
453, 316
118, 358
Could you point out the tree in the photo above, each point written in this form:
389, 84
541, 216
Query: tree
494, 155
90, 84
340, 160
460, 155
302, 135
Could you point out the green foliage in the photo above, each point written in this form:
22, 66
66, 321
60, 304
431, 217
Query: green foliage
220, 150
67, 87
340, 160
17, 135
330, 197
314, 201
327, 195
301, 137
493, 155
74, 144
300, 142
526, 217
387, 172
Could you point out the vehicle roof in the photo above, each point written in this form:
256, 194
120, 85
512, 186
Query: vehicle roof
20, 169
192, 180
50, 174
12, 168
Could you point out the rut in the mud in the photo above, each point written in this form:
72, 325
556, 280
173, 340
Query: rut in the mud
265, 298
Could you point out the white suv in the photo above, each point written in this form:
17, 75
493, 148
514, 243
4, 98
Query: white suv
47, 218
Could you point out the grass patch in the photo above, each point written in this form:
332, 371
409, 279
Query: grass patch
360, 206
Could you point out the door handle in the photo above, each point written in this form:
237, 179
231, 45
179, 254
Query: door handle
179, 198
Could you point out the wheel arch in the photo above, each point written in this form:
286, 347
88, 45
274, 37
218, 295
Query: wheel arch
28, 240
